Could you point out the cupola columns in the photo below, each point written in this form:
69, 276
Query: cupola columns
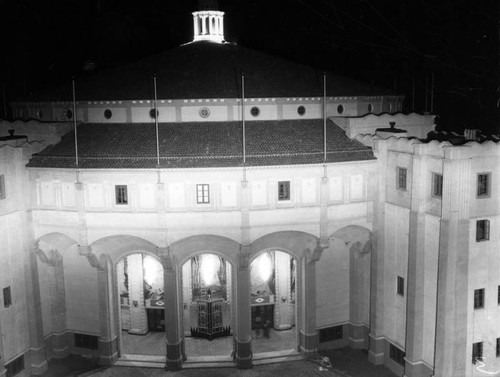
208, 26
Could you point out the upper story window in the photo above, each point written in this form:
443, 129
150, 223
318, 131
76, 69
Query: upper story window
108, 114
202, 193
153, 113
340, 109
370, 108
301, 110
284, 190
482, 230
2, 187
483, 185
478, 298
7, 297
401, 182
401, 286
437, 185
121, 194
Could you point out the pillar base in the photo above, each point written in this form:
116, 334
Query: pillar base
108, 351
174, 357
60, 345
243, 354
38, 362
358, 336
377, 350
417, 370
308, 345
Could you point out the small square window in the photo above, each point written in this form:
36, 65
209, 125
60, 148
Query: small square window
498, 347
479, 298
16, 366
401, 182
482, 230
437, 185
483, 185
477, 352
284, 190
7, 297
121, 194
401, 286
203, 194
2, 187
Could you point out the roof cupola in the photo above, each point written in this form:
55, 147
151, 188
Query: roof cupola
208, 22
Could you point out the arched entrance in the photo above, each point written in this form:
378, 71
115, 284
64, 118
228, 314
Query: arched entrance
207, 306
273, 300
140, 291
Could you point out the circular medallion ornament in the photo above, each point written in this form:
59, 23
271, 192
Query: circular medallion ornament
108, 114
301, 110
255, 111
204, 112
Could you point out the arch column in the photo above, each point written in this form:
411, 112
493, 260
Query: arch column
242, 341
108, 339
308, 342
174, 334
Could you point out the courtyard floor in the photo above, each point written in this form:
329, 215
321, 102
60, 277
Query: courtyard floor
345, 362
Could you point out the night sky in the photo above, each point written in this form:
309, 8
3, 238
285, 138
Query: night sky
396, 44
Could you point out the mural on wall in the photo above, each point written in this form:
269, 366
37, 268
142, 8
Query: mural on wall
262, 276
209, 274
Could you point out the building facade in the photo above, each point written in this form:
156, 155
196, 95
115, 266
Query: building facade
249, 187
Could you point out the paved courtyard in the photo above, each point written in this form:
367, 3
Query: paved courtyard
345, 363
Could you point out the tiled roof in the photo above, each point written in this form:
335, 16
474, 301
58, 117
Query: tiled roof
208, 70
198, 145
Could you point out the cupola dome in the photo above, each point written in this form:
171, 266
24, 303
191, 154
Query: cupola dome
208, 22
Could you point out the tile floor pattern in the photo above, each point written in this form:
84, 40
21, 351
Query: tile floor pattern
154, 344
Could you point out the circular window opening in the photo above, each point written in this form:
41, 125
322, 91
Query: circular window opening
255, 111
301, 110
153, 114
108, 114
69, 114
204, 112
340, 109
370, 107
39, 114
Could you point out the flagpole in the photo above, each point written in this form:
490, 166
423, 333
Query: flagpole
156, 125
324, 116
74, 121
243, 115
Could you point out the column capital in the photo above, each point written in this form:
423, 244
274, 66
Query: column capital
244, 256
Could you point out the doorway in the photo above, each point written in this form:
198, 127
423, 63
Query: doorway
273, 298
141, 305
207, 312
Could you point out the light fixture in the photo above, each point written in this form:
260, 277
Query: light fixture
152, 269
209, 266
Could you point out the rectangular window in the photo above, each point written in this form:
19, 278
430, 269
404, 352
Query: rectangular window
16, 366
90, 342
479, 298
397, 355
202, 194
401, 286
7, 297
477, 351
482, 230
437, 185
401, 183
284, 190
331, 333
2, 187
483, 185
498, 347
121, 194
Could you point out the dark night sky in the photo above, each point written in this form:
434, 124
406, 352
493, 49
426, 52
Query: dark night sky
391, 43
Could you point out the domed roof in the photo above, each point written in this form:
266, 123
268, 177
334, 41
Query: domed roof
208, 70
